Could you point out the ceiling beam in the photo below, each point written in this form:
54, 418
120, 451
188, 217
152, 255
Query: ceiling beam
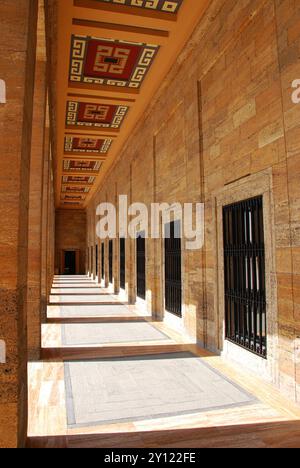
132, 33
94, 131
107, 99
109, 90
89, 156
80, 173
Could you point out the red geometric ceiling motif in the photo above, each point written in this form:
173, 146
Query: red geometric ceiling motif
73, 198
110, 62
168, 6
71, 203
87, 145
81, 180
76, 189
81, 166
87, 114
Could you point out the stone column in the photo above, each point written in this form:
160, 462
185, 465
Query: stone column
18, 24
89, 232
44, 227
86, 261
99, 261
93, 241
116, 265
35, 199
50, 231
98, 242
131, 262
155, 257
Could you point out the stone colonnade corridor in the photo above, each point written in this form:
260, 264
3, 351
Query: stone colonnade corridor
109, 375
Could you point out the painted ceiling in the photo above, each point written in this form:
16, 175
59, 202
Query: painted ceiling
167, 6
112, 56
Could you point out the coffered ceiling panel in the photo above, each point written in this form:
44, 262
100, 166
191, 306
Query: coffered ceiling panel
78, 165
75, 189
95, 115
110, 62
87, 145
168, 6
112, 57
81, 180
72, 204
73, 198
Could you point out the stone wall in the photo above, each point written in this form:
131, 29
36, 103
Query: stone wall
70, 233
225, 115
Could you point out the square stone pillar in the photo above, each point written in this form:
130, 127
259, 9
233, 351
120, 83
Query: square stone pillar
34, 293
44, 226
18, 24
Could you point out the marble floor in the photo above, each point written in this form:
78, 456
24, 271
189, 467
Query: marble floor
112, 377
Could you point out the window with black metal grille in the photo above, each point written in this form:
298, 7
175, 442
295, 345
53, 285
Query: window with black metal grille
102, 261
173, 269
141, 265
110, 259
244, 272
97, 268
122, 263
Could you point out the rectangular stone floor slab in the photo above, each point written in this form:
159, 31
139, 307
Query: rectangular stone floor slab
86, 299
79, 334
65, 279
71, 281
115, 310
143, 388
75, 291
61, 277
76, 286
90, 310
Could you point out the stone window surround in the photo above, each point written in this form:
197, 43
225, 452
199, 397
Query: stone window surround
243, 189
